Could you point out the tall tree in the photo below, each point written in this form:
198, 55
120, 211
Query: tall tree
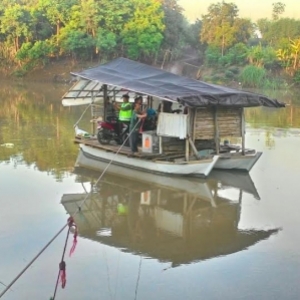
275, 33
143, 33
278, 9
57, 11
16, 24
222, 27
175, 25
218, 25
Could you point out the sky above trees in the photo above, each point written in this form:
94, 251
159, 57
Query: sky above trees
254, 9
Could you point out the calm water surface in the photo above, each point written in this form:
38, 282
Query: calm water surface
229, 237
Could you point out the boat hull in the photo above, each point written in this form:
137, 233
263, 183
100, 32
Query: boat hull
200, 168
237, 162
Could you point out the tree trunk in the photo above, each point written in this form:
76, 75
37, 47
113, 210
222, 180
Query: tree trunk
295, 61
57, 29
223, 45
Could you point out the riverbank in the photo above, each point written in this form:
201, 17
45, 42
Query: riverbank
57, 72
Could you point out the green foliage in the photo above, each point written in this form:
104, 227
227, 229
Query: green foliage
274, 32
296, 77
222, 27
33, 54
77, 43
178, 33
260, 56
229, 74
192, 35
143, 34
106, 41
253, 76
238, 54
235, 70
33, 31
212, 56
16, 24
224, 61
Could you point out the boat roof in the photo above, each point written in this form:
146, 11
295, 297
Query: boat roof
126, 74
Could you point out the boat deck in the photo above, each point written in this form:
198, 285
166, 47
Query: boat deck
93, 142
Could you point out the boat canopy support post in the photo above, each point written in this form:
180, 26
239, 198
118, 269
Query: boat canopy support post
217, 133
104, 101
93, 94
243, 130
160, 142
187, 138
190, 136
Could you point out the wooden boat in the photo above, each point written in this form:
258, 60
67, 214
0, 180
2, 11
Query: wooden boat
237, 160
160, 218
150, 163
222, 179
187, 143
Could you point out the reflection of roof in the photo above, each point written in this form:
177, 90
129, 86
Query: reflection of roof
194, 238
186, 220
148, 80
179, 252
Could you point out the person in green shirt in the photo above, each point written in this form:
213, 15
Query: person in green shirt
125, 109
125, 112
134, 127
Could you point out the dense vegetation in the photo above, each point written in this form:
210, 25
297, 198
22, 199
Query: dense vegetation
35, 32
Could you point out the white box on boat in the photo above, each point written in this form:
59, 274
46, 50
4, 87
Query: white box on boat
149, 142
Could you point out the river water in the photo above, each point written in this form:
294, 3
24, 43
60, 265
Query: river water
228, 237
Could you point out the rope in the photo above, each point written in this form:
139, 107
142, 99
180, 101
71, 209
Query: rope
78, 209
107, 270
108, 165
62, 265
82, 115
33, 260
138, 279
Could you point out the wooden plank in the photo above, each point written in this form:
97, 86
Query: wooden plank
193, 147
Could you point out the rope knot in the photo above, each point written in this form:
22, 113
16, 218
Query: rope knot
62, 273
62, 266
72, 224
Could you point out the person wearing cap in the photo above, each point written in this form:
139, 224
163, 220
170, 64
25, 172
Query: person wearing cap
125, 110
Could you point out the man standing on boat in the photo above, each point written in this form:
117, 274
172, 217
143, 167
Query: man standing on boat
125, 112
134, 127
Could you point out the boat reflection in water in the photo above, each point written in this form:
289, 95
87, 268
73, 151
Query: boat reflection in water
173, 220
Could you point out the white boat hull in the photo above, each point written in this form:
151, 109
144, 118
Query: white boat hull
200, 168
237, 162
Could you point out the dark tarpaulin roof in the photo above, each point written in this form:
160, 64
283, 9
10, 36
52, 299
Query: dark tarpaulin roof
145, 79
